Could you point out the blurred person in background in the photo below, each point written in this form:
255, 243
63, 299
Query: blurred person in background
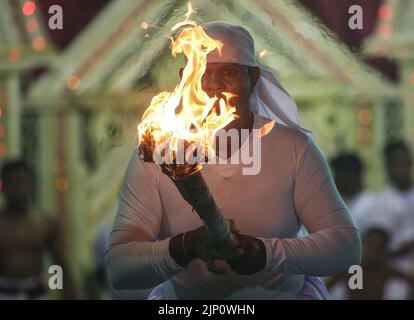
396, 199
395, 211
378, 269
26, 236
391, 209
348, 170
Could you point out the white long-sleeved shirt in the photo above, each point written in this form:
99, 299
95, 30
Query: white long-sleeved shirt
294, 187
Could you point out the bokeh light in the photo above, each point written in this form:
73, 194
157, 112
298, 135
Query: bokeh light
73, 82
61, 184
385, 12
39, 43
32, 25
29, 7
3, 150
365, 116
14, 55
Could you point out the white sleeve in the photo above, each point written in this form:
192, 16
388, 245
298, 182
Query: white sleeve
134, 258
333, 243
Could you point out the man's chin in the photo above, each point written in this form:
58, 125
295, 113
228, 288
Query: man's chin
236, 124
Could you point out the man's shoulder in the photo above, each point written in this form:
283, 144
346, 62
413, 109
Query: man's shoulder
282, 130
288, 137
138, 166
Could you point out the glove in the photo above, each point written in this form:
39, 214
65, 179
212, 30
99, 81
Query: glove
199, 244
253, 258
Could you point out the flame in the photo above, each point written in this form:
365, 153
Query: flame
264, 53
266, 128
187, 113
144, 25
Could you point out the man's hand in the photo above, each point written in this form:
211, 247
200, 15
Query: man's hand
198, 244
189, 246
254, 257
184, 246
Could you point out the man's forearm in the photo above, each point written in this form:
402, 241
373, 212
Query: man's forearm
323, 253
140, 265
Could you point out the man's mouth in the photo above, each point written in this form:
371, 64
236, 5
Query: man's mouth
218, 95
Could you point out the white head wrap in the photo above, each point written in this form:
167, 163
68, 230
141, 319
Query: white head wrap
269, 99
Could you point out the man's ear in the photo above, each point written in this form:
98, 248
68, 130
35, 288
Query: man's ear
181, 72
254, 76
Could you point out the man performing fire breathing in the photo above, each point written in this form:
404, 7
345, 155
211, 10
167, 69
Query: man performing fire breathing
210, 231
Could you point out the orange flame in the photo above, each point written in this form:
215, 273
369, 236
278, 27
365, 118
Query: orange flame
264, 53
187, 113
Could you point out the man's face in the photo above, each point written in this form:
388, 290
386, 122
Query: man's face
233, 78
17, 188
347, 182
399, 167
226, 77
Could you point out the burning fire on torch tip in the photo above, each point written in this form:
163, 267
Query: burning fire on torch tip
187, 114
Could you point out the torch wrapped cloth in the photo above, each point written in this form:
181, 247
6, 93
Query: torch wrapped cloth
218, 238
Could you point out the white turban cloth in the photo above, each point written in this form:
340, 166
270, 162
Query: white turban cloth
268, 99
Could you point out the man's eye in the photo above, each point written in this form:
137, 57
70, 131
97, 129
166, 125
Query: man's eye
230, 72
